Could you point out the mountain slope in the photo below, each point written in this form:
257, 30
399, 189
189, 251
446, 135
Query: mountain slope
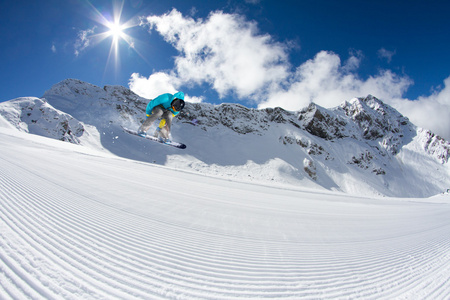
81, 223
360, 147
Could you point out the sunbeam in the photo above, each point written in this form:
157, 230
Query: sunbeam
115, 29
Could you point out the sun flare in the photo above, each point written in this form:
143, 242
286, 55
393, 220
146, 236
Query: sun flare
116, 30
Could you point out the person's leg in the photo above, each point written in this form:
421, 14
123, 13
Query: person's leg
165, 131
157, 112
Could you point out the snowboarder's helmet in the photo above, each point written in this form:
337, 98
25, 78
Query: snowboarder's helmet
177, 104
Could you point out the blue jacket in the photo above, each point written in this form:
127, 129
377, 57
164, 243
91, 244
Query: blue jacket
164, 100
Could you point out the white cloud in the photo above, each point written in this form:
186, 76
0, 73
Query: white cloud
53, 48
155, 85
431, 112
253, 1
386, 54
225, 50
325, 81
83, 40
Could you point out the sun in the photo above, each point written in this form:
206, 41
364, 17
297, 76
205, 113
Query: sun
116, 31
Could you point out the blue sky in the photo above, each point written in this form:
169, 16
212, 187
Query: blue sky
258, 52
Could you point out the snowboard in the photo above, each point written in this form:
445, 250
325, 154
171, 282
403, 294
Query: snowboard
152, 138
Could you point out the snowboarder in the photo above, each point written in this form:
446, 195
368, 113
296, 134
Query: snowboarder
165, 106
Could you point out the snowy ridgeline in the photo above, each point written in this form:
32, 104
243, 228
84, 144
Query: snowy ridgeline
362, 146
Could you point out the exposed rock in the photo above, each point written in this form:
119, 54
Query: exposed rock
310, 168
317, 121
35, 116
434, 145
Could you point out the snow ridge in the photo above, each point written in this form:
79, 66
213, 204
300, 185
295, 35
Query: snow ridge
36, 116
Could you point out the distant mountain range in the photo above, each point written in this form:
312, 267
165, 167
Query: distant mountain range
362, 147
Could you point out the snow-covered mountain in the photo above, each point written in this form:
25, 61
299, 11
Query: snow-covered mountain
80, 222
362, 146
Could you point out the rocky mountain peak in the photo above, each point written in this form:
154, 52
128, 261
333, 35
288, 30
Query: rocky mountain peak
236, 117
86, 101
36, 116
322, 123
367, 119
374, 118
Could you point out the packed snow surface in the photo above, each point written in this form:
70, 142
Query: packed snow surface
81, 223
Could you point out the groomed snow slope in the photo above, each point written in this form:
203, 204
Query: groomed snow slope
79, 223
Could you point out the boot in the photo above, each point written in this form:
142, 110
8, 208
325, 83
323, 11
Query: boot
157, 132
